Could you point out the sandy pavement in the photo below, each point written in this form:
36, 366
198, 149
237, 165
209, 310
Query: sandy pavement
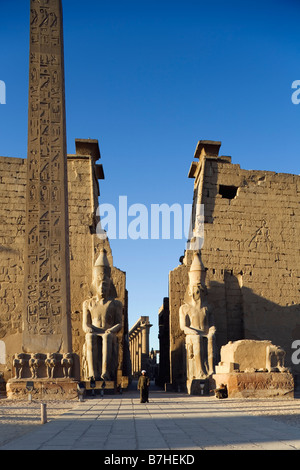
20, 417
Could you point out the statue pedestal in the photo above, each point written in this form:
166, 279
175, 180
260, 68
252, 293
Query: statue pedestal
43, 389
256, 384
198, 386
124, 382
100, 385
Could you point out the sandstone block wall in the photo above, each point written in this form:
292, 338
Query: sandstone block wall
83, 188
178, 282
164, 343
251, 252
12, 232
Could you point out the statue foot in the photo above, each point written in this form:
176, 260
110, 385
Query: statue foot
105, 376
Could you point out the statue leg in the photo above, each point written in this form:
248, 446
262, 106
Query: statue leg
197, 370
201, 358
211, 353
106, 355
189, 359
91, 354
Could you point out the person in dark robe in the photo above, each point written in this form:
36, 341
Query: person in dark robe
143, 387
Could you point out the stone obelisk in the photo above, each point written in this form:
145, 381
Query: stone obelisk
46, 318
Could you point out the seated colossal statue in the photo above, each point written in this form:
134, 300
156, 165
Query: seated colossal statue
102, 320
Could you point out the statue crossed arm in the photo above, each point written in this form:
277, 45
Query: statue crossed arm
195, 320
92, 320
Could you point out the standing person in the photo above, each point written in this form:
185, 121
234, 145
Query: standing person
143, 387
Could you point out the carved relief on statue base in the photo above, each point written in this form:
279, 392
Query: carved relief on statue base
256, 384
43, 366
43, 389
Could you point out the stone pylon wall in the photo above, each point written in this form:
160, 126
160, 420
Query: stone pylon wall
251, 252
83, 191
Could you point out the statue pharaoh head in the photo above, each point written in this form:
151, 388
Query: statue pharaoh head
101, 275
197, 276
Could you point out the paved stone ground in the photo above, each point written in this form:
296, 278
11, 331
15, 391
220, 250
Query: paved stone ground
21, 417
169, 422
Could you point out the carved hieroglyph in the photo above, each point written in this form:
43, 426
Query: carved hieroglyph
46, 297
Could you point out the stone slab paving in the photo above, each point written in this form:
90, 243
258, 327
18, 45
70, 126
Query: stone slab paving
173, 422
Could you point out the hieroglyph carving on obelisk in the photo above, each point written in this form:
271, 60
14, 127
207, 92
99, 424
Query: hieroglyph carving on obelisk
46, 323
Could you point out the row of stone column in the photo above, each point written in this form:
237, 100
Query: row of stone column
139, 344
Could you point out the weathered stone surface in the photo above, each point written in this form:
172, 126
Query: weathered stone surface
101, 385
256, 384
251, 355
178, 283
72, 203
46, 315
254, 369
164, 343
59, 389
84, 245
250, 252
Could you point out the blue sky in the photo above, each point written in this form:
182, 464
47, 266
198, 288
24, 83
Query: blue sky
148, 79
